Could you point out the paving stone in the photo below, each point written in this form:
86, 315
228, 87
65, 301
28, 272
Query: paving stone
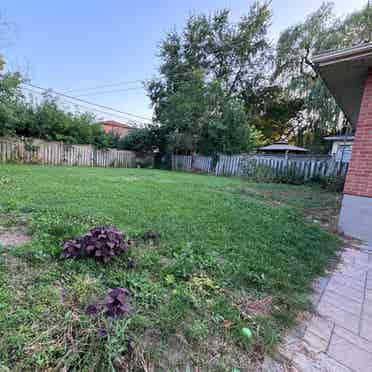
320, 284
320, 327
353, 338
288, 350
346, 291
362, 258
320, 362
314, 343
315, 298
348, 256
342, 284
350, 354
339, 316
338, 339
369, 283
345, 303
367, 308
366, 328
356, 276
365, 247
368, 295
295, 334
355, 272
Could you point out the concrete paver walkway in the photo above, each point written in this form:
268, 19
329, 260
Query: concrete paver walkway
338, 337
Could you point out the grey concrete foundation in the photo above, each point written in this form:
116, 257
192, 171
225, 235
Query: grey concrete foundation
356, 217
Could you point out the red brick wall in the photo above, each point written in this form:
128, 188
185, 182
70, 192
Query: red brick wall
359, 177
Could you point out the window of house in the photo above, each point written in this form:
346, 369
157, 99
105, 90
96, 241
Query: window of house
344, 153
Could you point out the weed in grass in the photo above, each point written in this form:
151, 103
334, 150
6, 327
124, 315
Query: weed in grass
196, 330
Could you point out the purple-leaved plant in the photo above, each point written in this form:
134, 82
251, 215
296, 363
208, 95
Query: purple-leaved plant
117, 302
101, 243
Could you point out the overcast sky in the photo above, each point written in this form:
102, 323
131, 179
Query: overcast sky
79, 44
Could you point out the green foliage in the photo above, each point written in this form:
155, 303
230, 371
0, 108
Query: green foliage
332, 184
219, 245
10, 97
144, 140
319, 32
272, 111
264, 173
46, 119
198, 98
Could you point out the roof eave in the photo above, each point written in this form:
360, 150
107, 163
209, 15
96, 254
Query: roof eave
346, 54
344, 73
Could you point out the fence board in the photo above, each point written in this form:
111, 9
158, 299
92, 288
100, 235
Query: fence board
56, 153
305, 168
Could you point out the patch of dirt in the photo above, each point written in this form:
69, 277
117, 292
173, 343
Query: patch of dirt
13, 236
327, 218
253, 307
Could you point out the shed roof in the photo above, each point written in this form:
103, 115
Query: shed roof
344, 72
282, 146
341, 137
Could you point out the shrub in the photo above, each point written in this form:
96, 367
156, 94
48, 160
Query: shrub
101, 243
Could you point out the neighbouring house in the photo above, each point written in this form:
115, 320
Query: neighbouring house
348, 76
121, 129
341, 147
282, 147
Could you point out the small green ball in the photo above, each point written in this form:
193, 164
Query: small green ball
246, 332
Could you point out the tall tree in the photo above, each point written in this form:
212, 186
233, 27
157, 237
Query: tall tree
198, 97
320, 31
10, 92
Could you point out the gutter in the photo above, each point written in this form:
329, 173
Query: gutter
334, 56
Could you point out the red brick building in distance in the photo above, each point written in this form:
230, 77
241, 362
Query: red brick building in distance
348, 76
115, 127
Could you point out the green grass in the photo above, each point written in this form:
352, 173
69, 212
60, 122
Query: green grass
225, 244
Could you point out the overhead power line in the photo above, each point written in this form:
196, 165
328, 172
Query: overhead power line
85, 107
109, 92
87, 102
110, 85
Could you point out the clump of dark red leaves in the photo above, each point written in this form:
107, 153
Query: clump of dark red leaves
73, 249
131, 264
101, 243
93, 310
117, 302
151, 235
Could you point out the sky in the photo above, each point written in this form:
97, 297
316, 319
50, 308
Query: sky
74, 45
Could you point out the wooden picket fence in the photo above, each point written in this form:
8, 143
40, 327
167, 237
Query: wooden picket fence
300, 168
34, 151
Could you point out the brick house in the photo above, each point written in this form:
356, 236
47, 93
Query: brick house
115, 127
348, 76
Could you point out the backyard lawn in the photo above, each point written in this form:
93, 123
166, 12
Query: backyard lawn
231, 254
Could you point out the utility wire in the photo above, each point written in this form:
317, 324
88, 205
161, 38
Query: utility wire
86, 102
99, 87
85, 107
110, 85
109, 92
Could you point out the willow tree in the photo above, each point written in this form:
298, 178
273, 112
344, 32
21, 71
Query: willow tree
321, 31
